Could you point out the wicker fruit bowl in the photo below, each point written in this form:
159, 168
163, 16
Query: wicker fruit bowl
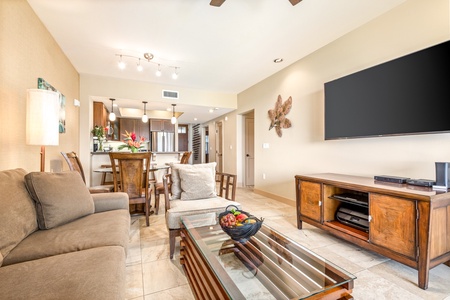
238, 224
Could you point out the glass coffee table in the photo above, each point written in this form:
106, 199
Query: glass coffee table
268, 266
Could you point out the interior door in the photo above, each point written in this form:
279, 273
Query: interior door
249, 151
219, 146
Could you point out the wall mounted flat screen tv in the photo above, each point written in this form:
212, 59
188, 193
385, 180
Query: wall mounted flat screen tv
408, 95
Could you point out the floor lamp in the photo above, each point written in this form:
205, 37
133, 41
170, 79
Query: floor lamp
42, 117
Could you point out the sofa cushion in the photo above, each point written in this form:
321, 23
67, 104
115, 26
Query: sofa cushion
175, 176
109, 228
60, 197
197, 183
17, 210
179, 208
97, 273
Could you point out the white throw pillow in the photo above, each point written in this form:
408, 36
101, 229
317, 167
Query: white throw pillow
175, 177
197, 183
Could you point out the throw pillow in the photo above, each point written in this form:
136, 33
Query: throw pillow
175, 177
60, 197
197, 183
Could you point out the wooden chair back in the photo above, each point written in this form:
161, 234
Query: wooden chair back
74, 163
132, 170
185, 157
227, 185
130, 175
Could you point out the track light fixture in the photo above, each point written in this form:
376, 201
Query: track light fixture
173, 120
122, 64
112, 115
140, 68
175, 73
144, 116
158, 72
148, 58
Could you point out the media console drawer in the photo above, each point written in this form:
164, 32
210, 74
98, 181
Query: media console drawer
410, 226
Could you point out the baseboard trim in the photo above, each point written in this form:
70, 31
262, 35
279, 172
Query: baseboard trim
275, 197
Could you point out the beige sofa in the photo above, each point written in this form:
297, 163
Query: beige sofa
57, 241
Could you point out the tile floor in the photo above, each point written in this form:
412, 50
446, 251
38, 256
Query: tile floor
152, 275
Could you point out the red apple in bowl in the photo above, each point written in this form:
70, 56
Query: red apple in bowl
241, 217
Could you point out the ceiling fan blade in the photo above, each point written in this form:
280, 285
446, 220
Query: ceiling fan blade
293, 2
217, 2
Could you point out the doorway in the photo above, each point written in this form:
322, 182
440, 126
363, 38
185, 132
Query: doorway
219, 146
249, 149
183, 137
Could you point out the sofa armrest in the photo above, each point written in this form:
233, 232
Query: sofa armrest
110, 201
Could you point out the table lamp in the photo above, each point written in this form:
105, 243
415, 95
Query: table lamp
42, 120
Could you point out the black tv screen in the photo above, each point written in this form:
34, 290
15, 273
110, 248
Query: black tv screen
408, 95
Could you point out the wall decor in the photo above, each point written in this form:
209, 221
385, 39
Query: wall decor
278, 115
44, 85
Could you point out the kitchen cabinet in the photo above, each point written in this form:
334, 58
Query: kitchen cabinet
100, 114
136, 126
161, 125
405, 223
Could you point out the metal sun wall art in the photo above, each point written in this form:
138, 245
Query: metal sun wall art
278, 115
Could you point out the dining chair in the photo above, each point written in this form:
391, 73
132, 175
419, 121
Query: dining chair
75, 165
159, 187
133, 173
185, 157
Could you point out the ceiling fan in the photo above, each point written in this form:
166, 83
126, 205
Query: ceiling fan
220, 2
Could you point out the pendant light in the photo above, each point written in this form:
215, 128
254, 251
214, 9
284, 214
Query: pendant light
112, 115
144, 116
173, 120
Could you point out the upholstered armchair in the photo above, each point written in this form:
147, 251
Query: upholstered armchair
194, 191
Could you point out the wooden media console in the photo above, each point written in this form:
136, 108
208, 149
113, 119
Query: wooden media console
408, 224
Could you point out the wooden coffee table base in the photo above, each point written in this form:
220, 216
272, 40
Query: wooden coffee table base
205, 284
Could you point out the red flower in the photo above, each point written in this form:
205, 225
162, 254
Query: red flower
133, 136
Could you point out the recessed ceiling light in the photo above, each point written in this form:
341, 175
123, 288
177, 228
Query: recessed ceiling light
278, 60
211, 110
195, 119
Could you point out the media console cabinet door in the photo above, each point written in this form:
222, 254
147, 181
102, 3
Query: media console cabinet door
310, 204
393, 224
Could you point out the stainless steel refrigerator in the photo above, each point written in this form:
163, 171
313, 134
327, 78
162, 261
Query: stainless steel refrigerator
163, 141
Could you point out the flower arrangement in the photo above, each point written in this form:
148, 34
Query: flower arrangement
131, 142
99, 133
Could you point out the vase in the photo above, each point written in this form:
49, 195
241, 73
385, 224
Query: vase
134, 150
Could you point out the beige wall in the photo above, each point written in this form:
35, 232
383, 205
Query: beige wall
410, 27
28, 51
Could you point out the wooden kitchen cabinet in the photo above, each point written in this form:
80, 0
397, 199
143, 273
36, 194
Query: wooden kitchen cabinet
161, 125
100, 114
405, 223
134, 125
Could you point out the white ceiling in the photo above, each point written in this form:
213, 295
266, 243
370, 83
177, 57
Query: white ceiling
222, 49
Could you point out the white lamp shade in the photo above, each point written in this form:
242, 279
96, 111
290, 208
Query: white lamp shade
173, 120
112, 117
144, 118
42, 117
